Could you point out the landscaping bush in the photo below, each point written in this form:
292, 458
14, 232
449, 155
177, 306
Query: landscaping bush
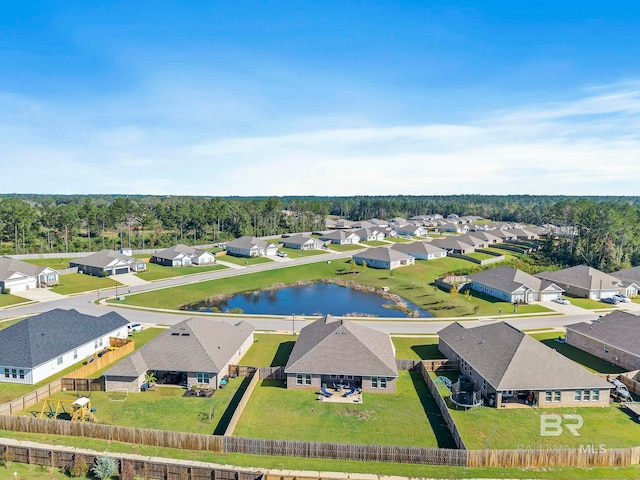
6, 458
79, 467
105, 467
5, 291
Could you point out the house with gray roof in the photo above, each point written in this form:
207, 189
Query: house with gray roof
453, 245
615, 338
512, 285
196, 351
487, 237
370, 234
45, 344
302, 242
248, 246
384, 258
182, 256
630, 278
18, 276
340, 237
420, 250
108, 262
586, 282
331, 350
411, 229
506, 365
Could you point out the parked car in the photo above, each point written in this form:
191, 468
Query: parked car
620, 391
282, 254
622, 298
610, 300
562, 301
134, 327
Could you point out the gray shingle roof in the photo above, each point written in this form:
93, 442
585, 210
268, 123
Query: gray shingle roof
582, 276
508, 279
334, 346
102, 259
383, 254
511, 360
38, 339
617, 329
297, 239
631, 274
246, 242
193, 345
9, 266
417, 248
177, 250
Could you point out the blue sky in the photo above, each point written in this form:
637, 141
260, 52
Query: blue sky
320, 98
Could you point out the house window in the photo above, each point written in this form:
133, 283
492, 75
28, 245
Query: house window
557, 394
202, 377
383, 382
59, 360
374, 382
349, 377
586, 395
21, 373
595, 396
333, 377
547, 396
14, 373
606, 350
100, 341
95, 344
578, 395
75, 354
6, 372
307, 379
298, 379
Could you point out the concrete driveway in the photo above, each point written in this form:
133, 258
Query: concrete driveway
40, 295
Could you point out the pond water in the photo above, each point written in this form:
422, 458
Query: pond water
314, 299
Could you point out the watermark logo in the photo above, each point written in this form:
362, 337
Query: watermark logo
553, 424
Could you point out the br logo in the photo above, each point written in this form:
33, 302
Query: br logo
553, 424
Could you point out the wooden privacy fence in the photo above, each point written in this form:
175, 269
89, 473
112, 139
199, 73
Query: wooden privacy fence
442, 405
241, 370
632, 385
443, 365
406, 364
272, 373
539, 457
83, 384
105, 360
59, 458
233, 423
31, 398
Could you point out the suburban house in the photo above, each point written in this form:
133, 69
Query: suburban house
249, 246
383, 257
630, 279
370, 234
45, 344
182, 256
340, 237
302, 242
378, 223
18, 276
473, 240
488, 238
196, 351
420, 250
108, 262
506, 365
522, 234
410, 230
513, 285
453, 245
362, 224
339, 223
331, 350
615, 338
505, 235
453, 227
584, 281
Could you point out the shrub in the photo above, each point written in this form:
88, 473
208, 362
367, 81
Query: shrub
79, 467
104, 467
6, 458
5, 291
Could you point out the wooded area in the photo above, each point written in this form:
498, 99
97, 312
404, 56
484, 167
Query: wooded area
603, 232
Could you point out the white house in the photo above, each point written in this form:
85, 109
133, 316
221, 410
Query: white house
248, 246
18, 276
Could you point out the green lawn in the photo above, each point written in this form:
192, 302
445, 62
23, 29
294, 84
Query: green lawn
374, 243
417, 348
292, 463
297, 253
480, 255
590, 362
158, 272
269, 350
412, 283
398, 240
587, 303
55, 263
278, 413
345, 248
243, 260
78, 282
8, 299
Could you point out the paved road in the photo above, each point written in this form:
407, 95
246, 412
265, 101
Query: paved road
84, 303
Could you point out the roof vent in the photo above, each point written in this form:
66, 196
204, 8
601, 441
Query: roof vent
185, 334
175, 334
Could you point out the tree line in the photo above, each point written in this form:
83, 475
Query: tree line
603, 232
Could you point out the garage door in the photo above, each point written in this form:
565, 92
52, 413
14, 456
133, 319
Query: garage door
549, 296
121, 270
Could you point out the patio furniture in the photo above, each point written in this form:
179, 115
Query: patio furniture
349, 393
325, 393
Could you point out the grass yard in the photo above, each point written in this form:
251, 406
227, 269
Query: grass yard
159, 272
78, 282
397, 240
55, 263
163, 409
297, 253
345, 248
374, 243
409, 417
311, 464
243, 260
269, 350
590, 362
417, 348
6, 299
587, 303
489, 428
479, 255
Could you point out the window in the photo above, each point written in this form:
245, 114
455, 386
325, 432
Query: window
100, 341
557, 394
578, 395
349, 377
75, 354
374, 382
298, 379
586, 395
202, 377
595, 397
6, 372
95, 344
333, 377
383, 382
606, 350
21, 373
547, 396
307, 379
14, 373
59, 360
